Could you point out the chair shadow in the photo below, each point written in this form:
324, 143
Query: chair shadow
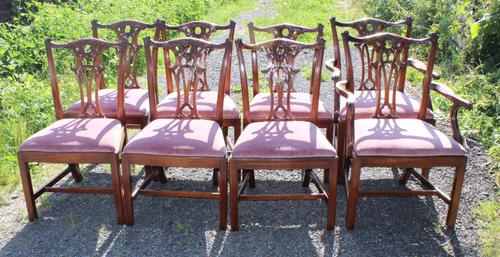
84, 225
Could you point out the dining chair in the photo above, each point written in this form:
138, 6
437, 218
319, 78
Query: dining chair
281, 141
387, 138
136, 97
91, 137
207, 98
365, 88
301, 101
188, 139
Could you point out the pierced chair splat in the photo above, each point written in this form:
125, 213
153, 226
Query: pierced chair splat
135, 97
88, 138
386, 139
280, 141
188, 139
206, 97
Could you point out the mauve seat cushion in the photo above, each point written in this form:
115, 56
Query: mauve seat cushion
179, 137
403, 138
366, 101
136, 103
77, 135
282, 139
206, 103
300, 104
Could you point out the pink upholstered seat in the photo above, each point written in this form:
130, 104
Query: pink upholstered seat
300, 105
206, 102
136, 103
179, 137
282, 139
78, 136
366, 100
402, 137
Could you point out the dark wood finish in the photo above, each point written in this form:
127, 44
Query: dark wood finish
130, 30
188, 67
366, 27
87, 70
203, 30
389, 60
281, 54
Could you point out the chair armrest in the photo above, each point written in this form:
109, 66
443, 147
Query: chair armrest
422, 67
330, 66
447, 92
458, 102
341, 89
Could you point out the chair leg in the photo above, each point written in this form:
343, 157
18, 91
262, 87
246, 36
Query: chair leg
425, 173
405, 176
223, 197
307, 177
128, 208
455, 196
233, 183
332, 197
28, 189
352, 196
251, 181
117, 189
341, 152
329, 136
75, 172
237, 131
215, 177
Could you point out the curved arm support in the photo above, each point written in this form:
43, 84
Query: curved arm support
421, 67
330, 66
458, 102
341, 90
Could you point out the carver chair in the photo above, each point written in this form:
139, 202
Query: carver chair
136, 98
207, 98
89, 138
186, 140
364, 87
280, 141
386, 139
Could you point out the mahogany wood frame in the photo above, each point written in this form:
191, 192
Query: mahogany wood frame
408, 163
203, 30
365, 27
238, 164
130, 30
74, 158
292, 32
181, 161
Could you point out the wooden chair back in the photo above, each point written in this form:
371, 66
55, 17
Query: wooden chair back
130, 30
89, 73
389, 66
284, 30
280, 55
185, 73
366, 27
201, 30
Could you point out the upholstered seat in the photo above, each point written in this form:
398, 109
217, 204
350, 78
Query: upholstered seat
77, 136
300, 104
402, 137
206, 102
179, 137
136, 103
282, 139
366, 101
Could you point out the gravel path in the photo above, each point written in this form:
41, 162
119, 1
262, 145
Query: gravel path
84, 225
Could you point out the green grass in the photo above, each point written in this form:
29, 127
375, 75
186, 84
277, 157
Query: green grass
488, 218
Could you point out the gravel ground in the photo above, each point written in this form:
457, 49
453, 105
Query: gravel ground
84, 225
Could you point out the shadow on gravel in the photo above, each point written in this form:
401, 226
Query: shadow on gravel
84, 225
